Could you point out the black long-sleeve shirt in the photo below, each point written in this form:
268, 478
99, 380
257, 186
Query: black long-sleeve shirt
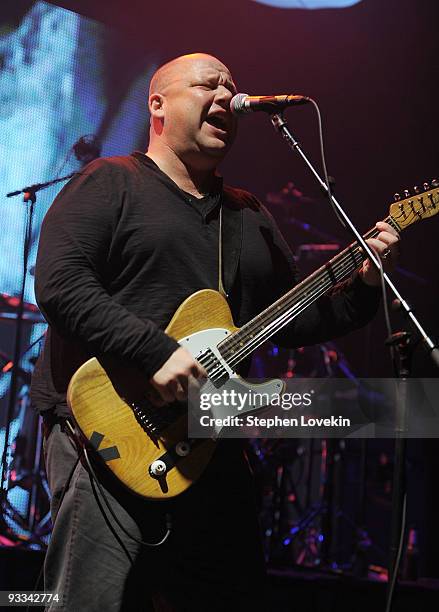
122, 246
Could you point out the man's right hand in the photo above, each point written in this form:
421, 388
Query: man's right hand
171, 381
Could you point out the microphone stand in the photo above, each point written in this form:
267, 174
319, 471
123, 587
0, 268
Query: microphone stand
401, 342
29, 197
32, 189
280, 125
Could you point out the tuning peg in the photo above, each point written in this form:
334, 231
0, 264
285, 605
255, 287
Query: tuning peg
406, 193
435, 183
416, 189
396, 197
426, 186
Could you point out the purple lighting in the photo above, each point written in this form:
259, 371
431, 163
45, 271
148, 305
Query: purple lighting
309, 4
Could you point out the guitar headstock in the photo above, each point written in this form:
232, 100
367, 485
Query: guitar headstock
421, 204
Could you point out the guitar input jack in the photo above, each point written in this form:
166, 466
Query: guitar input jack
158, 468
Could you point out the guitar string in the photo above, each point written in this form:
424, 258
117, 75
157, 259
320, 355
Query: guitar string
263, 335
286, 318
339, 269
344, 257
342, 263
343, 266
315, 289
335, 266
269, 332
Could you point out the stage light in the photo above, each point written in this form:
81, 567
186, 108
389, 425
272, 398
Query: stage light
309, 4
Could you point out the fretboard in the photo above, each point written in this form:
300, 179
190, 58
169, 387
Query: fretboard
243, 342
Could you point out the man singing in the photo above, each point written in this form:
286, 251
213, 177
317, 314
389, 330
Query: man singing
124, 243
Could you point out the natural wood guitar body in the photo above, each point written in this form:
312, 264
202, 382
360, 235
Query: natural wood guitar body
98, 408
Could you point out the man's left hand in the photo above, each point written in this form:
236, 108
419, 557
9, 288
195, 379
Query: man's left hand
386, 246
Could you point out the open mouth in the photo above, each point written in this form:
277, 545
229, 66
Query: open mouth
218, 121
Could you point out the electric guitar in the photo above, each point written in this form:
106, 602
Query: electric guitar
148, 450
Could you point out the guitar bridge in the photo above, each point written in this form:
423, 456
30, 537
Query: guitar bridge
148, 424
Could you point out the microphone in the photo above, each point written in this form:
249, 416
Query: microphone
243, 103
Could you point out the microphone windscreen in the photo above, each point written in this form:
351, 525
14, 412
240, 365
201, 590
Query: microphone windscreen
237, 104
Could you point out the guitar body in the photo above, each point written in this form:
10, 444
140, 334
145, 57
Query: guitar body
102, 402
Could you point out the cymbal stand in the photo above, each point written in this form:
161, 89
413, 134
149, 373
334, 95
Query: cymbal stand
29, 198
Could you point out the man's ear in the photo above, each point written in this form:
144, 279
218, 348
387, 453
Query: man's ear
155, 104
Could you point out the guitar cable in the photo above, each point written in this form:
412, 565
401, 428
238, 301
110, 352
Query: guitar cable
395, 569
74, 439
329, 194
323, 158
95, 482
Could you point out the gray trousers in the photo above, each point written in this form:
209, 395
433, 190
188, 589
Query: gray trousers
211, 561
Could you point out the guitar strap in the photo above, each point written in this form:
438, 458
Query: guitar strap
229, 245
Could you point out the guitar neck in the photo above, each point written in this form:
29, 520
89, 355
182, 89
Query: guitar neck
253, 334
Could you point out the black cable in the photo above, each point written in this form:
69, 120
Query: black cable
64, 162
40, 337
95, 482
110, 509
104, 514
394, 575
395, 566
323, 157
381, 270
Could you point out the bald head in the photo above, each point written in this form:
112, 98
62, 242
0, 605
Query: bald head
189, 104
172, 71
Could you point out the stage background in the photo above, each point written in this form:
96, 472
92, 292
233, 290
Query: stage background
372, 67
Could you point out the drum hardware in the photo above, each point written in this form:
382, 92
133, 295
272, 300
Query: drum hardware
301, 514
6, 365
25, 471
15, 309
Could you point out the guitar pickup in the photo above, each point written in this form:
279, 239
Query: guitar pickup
216, 371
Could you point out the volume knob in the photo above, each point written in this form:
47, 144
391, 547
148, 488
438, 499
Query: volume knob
183, 449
